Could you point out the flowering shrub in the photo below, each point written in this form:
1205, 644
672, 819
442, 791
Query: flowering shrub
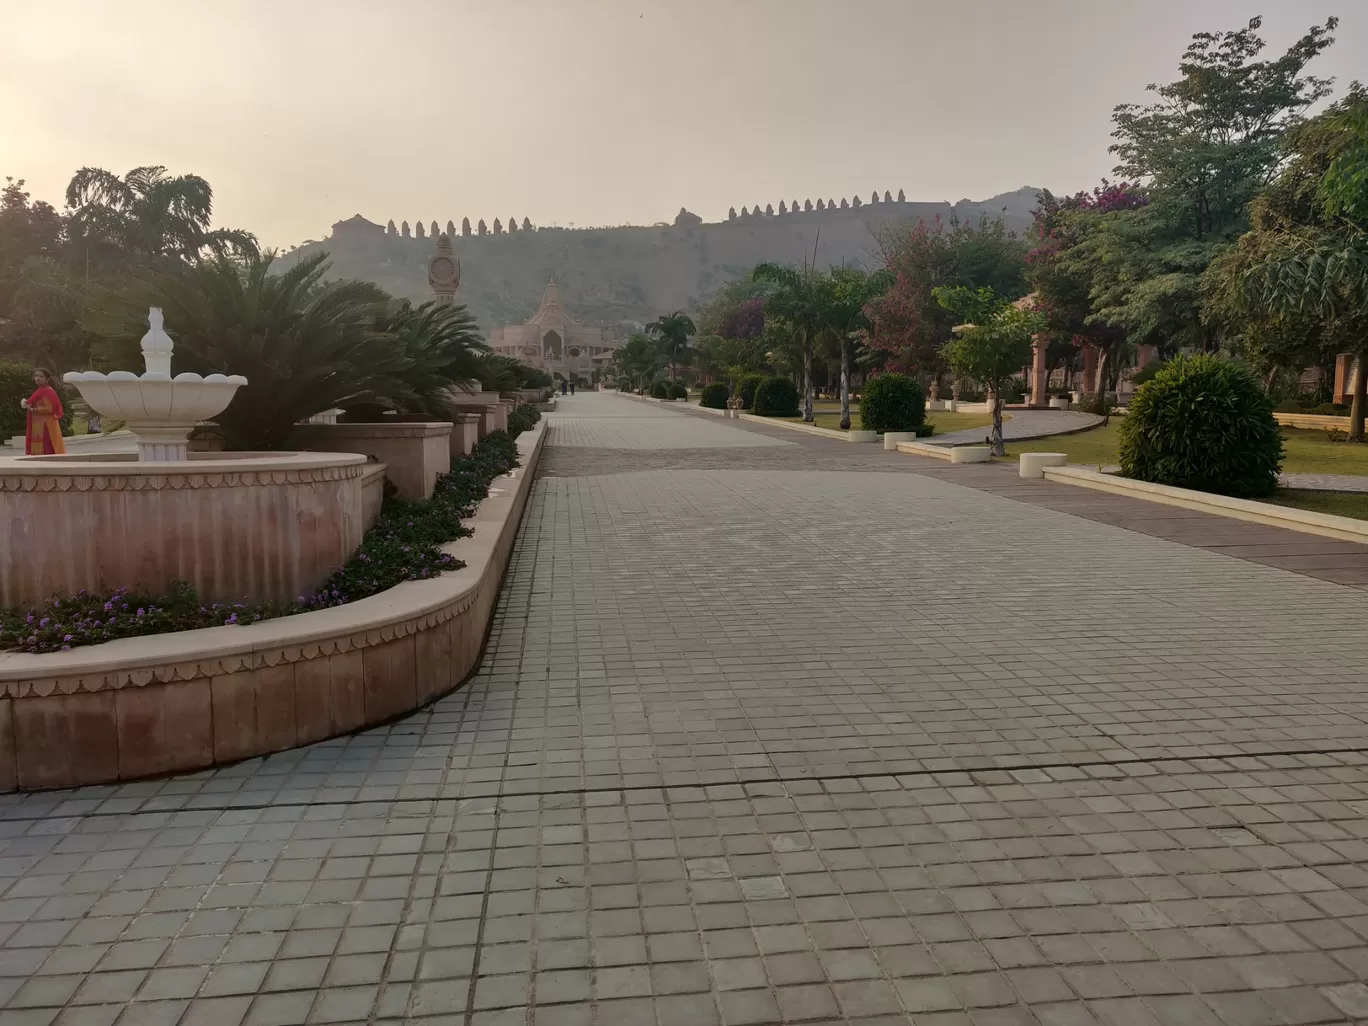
404, 545
524, 418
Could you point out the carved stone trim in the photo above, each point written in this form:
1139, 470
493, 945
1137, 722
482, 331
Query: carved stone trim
121, 480
196, 669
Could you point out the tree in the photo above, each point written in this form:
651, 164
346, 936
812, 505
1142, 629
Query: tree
1204, 149
672, 332
990, 344
795, 301
148, 214
1309, 246
639, 358
909, 326
845, 297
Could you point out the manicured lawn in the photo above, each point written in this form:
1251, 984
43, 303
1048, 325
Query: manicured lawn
1307, 452
1340, 504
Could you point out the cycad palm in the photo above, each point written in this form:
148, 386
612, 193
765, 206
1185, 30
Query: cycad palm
304, 345
149, 214
442, 345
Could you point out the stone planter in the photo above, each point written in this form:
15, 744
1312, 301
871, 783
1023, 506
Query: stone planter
1033, 464
465, 433
971, 454
414, 453
262, 526
1058, 403
861, 436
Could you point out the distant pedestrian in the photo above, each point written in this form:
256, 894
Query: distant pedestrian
572, 386
565, 386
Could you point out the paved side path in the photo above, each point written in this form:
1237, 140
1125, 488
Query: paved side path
768, 731
1024, 424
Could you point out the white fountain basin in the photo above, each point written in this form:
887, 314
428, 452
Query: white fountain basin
156, 400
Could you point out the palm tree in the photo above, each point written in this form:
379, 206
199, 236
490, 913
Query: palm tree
441, 344
304, 345
845, 294
795, 299
673, 332
149, 214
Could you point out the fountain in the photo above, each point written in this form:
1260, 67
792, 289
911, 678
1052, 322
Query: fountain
159, 409
254, 526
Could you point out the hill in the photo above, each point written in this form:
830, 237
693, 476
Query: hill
629, 273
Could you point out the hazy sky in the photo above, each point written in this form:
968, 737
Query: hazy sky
302, 112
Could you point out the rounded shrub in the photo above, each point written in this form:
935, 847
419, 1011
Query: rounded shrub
776, 397
746, 389
660, 390
715, 396
624, 385
892, 402
1205, 423
678, 390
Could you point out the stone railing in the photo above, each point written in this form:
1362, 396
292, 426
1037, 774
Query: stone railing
169, 702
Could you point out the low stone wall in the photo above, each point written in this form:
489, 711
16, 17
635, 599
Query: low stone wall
172, 702
414, 452
372, 493
234, 525
1312, 421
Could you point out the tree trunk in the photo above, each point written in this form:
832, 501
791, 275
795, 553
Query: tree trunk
845, 387
1356, 407
807, 383
998, 448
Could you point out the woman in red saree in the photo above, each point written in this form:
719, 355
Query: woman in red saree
42, 433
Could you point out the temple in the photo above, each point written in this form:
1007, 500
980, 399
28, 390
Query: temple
552, 341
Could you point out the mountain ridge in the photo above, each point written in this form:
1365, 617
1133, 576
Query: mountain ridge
631, 274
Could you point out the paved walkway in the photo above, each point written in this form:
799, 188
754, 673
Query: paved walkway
1326, 482
1024, 424
769, 731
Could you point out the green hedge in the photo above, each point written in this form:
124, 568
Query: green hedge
776, 397
678, 390
892, 402
746, 389
660, 390
715, 396
1205, 423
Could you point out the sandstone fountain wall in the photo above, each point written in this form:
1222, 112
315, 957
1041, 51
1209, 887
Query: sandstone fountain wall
264, 526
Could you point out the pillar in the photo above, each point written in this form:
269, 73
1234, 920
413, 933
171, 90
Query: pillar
1344, 379
1089, 367
1039, 375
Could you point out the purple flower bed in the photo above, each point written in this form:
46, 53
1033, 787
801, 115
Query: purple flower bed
404, 545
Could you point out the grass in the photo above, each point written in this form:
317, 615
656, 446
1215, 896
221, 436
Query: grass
1306, 452
1340, 504
944, 422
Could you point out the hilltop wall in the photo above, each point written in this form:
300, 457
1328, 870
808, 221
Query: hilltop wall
610, 275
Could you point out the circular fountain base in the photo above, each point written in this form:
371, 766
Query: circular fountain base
236, 526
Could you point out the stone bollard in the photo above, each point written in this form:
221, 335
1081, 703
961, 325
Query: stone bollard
892, 438
1033, 464
971, 454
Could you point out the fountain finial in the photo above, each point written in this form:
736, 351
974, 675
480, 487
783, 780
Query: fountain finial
156, 344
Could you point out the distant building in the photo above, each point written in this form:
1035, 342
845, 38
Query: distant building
357, 226
554, 342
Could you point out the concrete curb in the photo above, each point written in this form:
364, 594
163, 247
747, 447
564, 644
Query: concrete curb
1305, 521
